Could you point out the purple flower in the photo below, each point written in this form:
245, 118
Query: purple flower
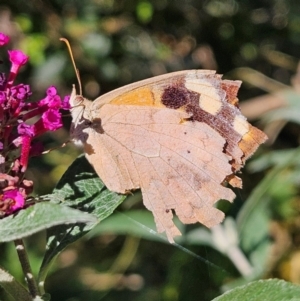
48, 108
4, 39
17, 141
16, 100
51, 91
20, 91
55, 102
16, 135
52, 120
16, 198
52, 100
25, 149
26, 129
3, 97
17, 58
66, 103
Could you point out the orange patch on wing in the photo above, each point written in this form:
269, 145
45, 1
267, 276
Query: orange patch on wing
235, 181
234, 101
251, 141
231, 88
139, 97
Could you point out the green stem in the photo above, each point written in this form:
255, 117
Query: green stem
32, 286
43, 274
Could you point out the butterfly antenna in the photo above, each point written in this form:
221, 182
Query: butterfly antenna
73, 62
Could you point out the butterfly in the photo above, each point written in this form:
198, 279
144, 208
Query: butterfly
179, 137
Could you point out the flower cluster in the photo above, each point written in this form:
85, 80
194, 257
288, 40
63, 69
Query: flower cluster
21, 122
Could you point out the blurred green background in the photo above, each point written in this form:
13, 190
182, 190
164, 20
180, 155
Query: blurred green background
116, 42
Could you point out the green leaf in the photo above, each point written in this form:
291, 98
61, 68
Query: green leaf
270, 159
138, 223
200, 236
80, 188
266, 290
290, 112
39, 217
253, 217
13, 287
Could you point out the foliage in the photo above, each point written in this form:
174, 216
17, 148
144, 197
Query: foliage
117, 42
272, 290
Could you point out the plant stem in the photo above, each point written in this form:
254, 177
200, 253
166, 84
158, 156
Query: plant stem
228, 244
32, 286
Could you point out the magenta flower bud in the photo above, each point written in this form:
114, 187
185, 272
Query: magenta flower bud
17, 199
52, 100
17, 58
51, 91
4, 39
26, 141
66, 103
55, 102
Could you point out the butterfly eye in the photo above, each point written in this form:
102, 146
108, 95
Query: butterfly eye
78, 100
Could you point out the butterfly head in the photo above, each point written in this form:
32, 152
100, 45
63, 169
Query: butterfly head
75, 99
81, 119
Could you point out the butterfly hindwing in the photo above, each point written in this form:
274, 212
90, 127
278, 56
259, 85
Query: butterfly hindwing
179, 137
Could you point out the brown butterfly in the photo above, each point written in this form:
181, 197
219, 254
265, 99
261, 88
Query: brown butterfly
179, 137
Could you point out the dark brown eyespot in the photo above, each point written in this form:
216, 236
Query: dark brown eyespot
175, 96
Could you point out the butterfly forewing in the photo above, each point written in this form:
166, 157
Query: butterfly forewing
178, 137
